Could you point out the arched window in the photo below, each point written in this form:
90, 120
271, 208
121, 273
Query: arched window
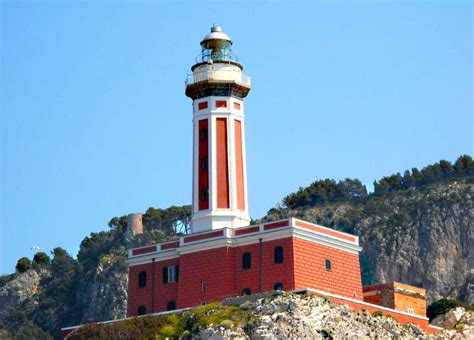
246, 261
142, 279
171, 305
278, 254
141, 310
246, 291
278, 286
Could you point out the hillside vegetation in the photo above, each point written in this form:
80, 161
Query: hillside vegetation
415, 228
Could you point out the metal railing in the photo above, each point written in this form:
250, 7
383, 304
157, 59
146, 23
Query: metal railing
218, 75
222, 55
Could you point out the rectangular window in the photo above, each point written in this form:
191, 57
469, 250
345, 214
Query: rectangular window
246, 291
328, 264
203, 287
171, 274
410, 311
204, 195
237, 106
203, 134
202, 105
203, 164
203, 175
221, 103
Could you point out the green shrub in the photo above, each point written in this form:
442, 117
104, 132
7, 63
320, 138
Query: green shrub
441, 307
23, 264
252, 323
227, 324
377, 314
41, 258
171, 326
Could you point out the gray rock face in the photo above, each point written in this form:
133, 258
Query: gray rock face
22, 287
458, 322
105, 297
423, 237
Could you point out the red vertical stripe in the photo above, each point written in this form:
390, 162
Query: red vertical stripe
203, 181
239, 165
222, 164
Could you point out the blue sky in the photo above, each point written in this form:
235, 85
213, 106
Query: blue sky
94, 121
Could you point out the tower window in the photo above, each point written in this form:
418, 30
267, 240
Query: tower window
278, 255
278, 286
221, 103
141, 310
171, 305
237, 106
204, 195
202, 105
171, 274
142, 279
246, 261
203, 164
328, 264
246, 291
203, 135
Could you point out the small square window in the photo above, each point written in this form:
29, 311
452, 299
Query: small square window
237, 106
141, 310
246, 291
328, 264
221, 103
202, 105
171, 305
278, 286
410, 311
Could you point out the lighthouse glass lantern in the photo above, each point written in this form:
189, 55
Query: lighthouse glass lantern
216, 46
218, 87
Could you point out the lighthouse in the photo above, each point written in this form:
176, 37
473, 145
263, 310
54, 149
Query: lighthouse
218, 86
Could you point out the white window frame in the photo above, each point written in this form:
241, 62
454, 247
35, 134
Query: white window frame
410, 311
172, 274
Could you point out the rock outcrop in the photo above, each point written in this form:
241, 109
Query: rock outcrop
21, 288
105, 295
458, 324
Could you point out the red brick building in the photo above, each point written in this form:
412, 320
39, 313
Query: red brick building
285, 255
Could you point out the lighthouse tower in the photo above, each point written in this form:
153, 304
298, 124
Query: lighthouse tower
218, 87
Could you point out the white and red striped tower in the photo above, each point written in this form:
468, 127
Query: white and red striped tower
218, 87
